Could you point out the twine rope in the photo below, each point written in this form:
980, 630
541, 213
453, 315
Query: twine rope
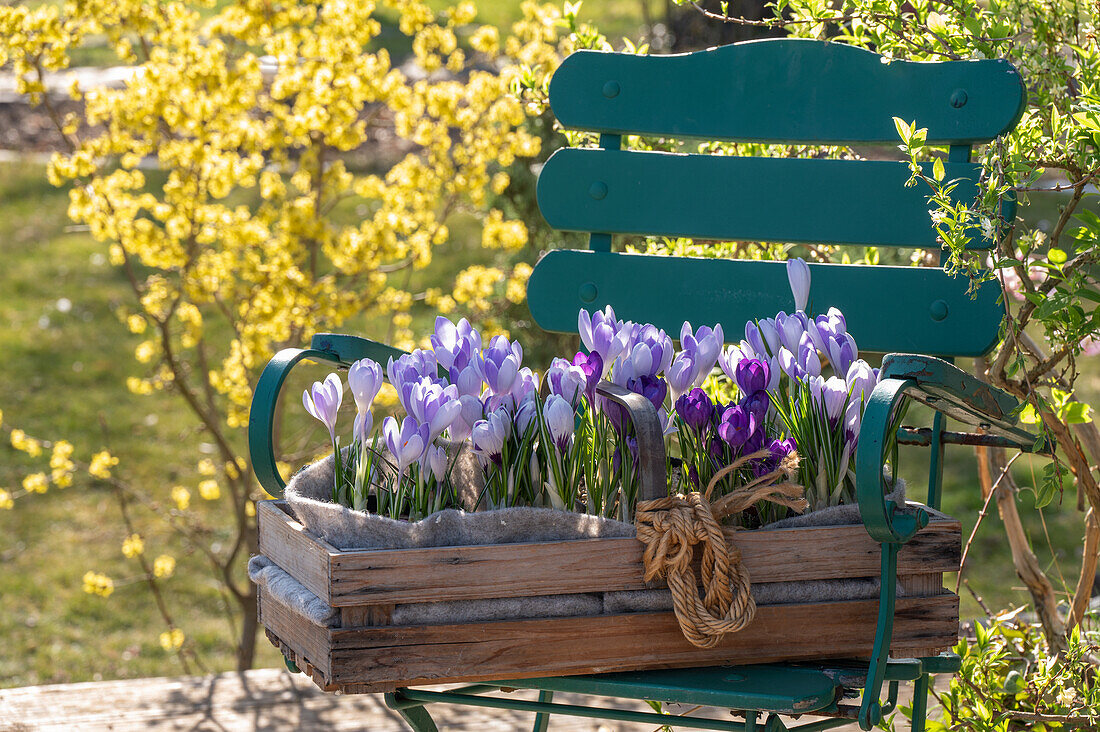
671, 527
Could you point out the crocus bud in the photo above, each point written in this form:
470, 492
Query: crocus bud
798, 274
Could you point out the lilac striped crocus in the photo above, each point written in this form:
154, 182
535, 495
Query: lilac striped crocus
450, 338
593, 367
322, 401
500, 364
566, 380
602, 333
409, 369
406, 442
798, 275
364, 381
559, 418
704, 346
434, 405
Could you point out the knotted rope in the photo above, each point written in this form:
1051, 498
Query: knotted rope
671, 527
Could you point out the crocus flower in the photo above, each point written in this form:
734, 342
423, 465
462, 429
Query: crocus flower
651, 387
834, 398
558, 413
603, 334
852, 417
434, 406
790, 329
406, 443
841, 350
450, 338
752, 375
755, 340
490, 434
757, 404
779, 449
323, 402
436, 460
861, 380
500, 364
704, 346
798, 274
408, 370
695, 408
593, 367
566, 380
471, 412
364, 381
526, 411
681, 374
736, 427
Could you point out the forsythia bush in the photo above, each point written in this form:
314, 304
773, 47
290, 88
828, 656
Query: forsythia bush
222, 180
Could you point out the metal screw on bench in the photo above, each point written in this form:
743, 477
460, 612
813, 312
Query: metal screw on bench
958, 98
939, 310
588, 292
598, 190
611, 89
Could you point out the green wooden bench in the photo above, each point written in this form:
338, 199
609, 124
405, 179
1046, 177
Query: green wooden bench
781, 91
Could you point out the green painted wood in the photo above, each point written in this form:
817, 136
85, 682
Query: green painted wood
763, 687
786, 90
753, 199
981, 398
333, 348
887, 308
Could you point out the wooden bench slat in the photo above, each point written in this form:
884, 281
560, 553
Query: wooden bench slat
743, 198
786, 90
887, 308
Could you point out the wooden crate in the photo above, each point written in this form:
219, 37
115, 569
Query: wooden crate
366, 653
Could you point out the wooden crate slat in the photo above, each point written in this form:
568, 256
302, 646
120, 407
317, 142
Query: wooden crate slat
308, 641
597, 565
286, 542
545, 647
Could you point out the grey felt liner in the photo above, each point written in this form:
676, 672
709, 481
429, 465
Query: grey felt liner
308, 496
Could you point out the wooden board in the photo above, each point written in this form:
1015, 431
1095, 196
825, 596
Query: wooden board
349, 578
379, 659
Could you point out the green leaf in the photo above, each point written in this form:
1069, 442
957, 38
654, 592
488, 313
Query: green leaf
1057, 256
937, 169
1028, 415
904, 130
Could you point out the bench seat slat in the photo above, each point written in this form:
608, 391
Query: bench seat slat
887, 308
786, 90
736, 198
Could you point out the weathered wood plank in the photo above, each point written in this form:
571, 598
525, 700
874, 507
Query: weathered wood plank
597, 565
529, 648
287, 543
310, 642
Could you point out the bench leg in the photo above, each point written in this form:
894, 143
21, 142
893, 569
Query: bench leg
920, 702
542, 719
416, 716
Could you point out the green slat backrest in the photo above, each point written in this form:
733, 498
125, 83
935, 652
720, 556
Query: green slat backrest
754, 199
780, 90
786, 90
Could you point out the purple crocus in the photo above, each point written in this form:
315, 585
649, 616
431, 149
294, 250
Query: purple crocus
861, 380
704, 346
408, 370
566, 380
779, 450
602, 333
752, 375
500, 364
558, 414
449, 338
323, 402
592, 365
435, 460
364, 381
757, 404
407, 442
834, 397
798, 274
695, 408
490, 434
434, 406
659, 345
737, 426
651, 387
790, 329
681, 374
472, 411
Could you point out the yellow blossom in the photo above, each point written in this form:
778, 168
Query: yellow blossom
101, 464
209, 490
98, 584
206, 467
36, 483
181, 496
6, 501
171, 640
133, 546
164, 566
29, 445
